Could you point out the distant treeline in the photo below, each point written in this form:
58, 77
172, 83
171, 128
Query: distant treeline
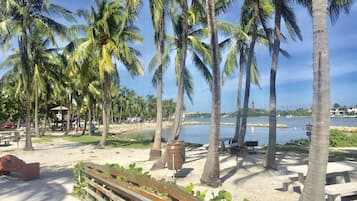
257, 113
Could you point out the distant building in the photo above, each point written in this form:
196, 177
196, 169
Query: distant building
337, 112
352, 110
343, 111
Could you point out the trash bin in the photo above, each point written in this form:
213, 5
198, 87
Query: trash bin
181, 143
174, 156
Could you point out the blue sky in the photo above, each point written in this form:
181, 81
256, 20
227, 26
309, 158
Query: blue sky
294, 77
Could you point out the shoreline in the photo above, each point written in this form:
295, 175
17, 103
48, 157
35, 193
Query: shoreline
126, 128
194, 123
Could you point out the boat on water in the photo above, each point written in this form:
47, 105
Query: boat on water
289, 116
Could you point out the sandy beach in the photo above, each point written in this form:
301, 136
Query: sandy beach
242, 177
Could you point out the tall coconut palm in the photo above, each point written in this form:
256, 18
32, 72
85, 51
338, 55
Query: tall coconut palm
318, 152
210, 175
239, 49
187, 39
18, 18
318, 155
257, 13
109, 32
282, 9
41, 57
157, 9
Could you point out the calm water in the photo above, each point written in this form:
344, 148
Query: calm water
295, 130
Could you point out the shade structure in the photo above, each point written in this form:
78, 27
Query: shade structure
60, 108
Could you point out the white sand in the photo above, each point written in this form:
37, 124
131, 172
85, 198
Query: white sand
246, 180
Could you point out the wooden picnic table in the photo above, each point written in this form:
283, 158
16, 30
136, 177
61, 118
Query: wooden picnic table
7, 136
333, 170
222, 142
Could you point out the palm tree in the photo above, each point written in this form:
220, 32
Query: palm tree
239, 48
187, 38
254, 12
188, 35
282, 9
157, 9
109, 31
18, 16
314, 186
318, 154
210, 175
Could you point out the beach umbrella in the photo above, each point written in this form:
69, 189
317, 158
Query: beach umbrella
62, 108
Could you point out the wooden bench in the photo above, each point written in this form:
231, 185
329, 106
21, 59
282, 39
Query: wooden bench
252, 144
103, 184
334, 192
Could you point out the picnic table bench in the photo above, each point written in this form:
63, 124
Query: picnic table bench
230, 143
7, 137
334, 192
334, 169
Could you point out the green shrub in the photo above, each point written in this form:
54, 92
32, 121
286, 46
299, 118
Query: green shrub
79, 179
342, 139
190, 189
302, 142
222, 196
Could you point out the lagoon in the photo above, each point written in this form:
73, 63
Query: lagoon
296, 125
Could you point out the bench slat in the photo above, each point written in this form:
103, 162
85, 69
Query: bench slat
343, 189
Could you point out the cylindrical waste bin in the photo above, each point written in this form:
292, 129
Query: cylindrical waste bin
174, 156
181, 143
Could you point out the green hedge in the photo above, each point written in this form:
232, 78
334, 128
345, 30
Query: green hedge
342, 139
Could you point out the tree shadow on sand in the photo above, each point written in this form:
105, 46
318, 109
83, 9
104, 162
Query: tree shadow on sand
50, 186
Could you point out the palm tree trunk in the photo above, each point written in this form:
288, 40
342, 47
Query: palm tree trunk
36, 109
210, 175
45, 118
111, 112
314, 187
174, 132
248, 74
18, 122
69, 114
85, 122
270, 153
90, 112
155, 152
106, 105
239, 97
78, 119
27, 75
28, 143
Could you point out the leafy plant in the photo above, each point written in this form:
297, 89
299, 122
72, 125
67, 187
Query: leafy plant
190, 189
341, 139
223, 195
79, 179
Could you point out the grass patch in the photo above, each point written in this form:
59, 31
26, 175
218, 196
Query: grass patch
302, 146
128, 142
43, 139
291, 148
192, 145
342, 155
